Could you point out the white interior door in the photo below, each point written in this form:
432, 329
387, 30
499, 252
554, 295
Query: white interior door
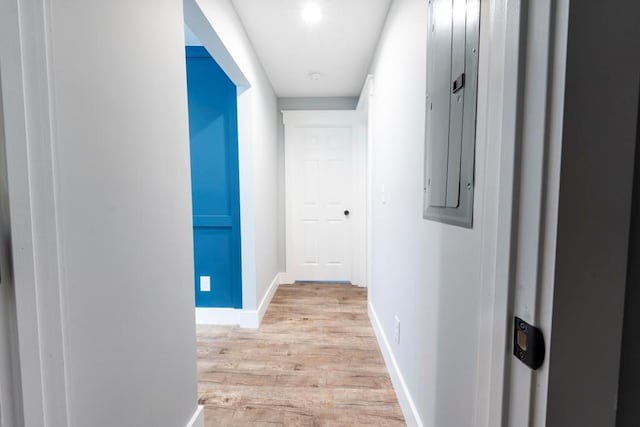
321, 179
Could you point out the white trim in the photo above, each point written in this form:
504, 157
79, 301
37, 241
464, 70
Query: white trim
407, 404
217, 316
207, 28
268, 296
197, 420
364, 101
359, 203
200, 25
318, 117
500, 66
35, 226
286, 279
250, 319
365, 111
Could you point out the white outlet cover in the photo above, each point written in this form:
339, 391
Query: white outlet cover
205, 283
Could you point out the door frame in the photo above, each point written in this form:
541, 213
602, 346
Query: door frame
29, 113
502, 51
201, 54
525, 71
327, 118
500, 69
364, 110
10, 390
210, 35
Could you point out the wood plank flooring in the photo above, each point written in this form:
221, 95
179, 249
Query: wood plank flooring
313, 362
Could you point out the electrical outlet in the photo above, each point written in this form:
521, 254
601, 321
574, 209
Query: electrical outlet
396, 329
205, 283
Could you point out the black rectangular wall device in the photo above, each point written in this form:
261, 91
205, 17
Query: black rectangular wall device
528, 344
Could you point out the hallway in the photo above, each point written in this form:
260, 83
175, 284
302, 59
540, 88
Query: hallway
314, 361
474, 165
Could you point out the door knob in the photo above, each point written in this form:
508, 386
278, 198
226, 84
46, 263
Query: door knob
346, 213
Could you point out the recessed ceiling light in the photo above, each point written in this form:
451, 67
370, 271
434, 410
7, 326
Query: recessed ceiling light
311, 13
315, 76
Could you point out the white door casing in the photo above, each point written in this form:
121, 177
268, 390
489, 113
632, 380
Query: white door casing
526, 66
325, 179
364, 110
10, 396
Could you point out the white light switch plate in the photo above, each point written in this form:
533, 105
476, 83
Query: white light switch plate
205, 283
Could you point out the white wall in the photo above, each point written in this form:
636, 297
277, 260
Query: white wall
101, 212
258, 155
426, 273
576, 136
122, 174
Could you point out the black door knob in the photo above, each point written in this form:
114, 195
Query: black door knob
346, 213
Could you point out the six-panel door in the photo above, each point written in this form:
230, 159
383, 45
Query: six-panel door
319, 193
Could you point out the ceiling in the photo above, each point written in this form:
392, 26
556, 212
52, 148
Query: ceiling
330, 57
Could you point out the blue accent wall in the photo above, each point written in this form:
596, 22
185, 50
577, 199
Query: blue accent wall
213, 131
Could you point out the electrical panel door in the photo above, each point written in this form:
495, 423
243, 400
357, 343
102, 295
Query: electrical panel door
452, 82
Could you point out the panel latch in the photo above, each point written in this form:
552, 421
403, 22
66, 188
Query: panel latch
457, 83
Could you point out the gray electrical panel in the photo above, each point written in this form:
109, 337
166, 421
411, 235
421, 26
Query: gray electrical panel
452, 88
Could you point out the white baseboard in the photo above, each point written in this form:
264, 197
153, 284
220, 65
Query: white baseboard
197, 420
234, 316
286, 279
268, 296
407, 404
217, 316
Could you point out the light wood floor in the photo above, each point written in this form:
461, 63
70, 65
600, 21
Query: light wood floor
313, 362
